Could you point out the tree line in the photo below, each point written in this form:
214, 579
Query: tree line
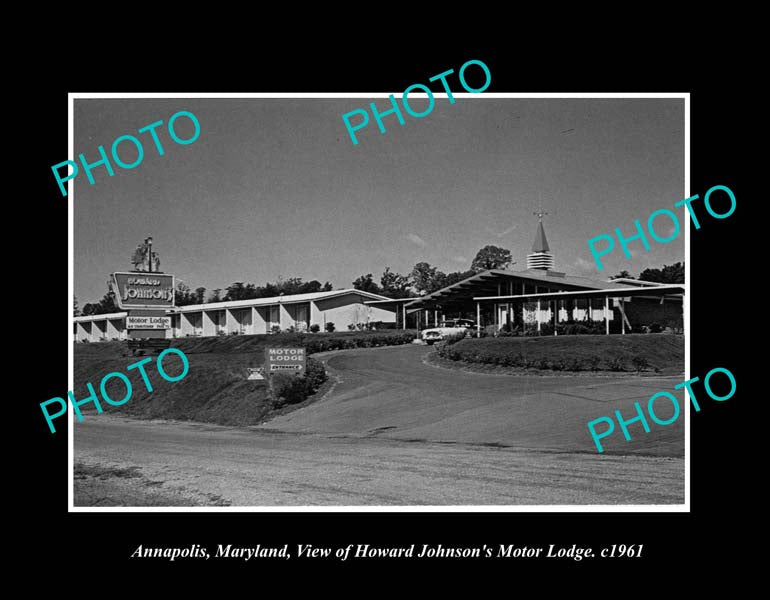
425, 279
668, 274
422, 279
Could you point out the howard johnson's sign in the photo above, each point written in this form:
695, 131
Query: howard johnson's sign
143, 290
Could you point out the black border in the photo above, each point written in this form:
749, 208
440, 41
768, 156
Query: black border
610, 62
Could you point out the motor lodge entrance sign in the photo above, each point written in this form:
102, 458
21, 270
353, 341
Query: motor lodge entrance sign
285, 359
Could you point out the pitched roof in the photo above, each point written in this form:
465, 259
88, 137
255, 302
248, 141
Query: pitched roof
475, 285
541, 244
287, 299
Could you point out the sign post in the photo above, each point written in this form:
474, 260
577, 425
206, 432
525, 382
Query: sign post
145, 293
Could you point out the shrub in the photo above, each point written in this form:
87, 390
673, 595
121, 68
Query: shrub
640, 362
292, 389
592, 363
655, 328
288, 389
275, 329
329, 327
315, 328
615, 363
315, 374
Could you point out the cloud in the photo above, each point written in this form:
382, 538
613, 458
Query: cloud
583, 265
460, 259
501, 233
416, 239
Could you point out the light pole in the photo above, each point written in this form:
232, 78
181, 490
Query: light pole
148, 241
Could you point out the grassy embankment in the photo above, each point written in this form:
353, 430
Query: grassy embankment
657, 353
215, 389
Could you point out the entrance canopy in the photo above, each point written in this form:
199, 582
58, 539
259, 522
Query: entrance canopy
664, 290
500, 282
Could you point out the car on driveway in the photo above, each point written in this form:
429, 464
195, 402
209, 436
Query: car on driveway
448, 328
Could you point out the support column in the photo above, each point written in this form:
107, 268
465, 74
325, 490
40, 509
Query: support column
478, 319
555, 316
538, 314
435, 317
606, 314
622, 317
403, 315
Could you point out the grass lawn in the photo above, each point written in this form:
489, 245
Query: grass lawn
661, 353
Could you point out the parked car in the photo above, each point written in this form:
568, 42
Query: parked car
448, 327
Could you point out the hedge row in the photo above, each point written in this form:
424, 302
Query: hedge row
367, 340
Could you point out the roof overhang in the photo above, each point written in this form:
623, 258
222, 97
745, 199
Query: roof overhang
483, 284
656, 292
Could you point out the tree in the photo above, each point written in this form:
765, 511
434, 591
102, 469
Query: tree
365, 283
395, 285
457, 276
491, 257
292, 285
75, 309
241, 291
327, 287
668, 274
200, 293
269, 290
424, 277
309, 287
216, 295
183, 296
622, 275
104, 306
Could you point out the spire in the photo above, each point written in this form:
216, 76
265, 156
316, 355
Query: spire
541, 244
541, 257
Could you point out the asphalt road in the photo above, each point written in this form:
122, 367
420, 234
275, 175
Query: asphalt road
396, 431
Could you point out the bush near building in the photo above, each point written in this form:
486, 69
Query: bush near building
292, 389
630, 353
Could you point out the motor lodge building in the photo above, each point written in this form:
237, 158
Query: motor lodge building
260, 315
496, 299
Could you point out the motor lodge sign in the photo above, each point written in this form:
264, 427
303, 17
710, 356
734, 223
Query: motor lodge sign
148, 322
285, 359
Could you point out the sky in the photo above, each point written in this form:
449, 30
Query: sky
274, 187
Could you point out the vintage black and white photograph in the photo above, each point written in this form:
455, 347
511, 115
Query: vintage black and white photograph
303, 302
